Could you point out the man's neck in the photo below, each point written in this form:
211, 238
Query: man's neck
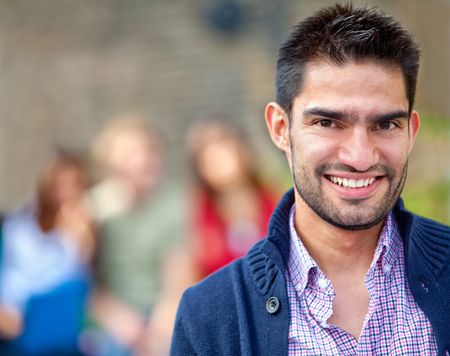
336, 251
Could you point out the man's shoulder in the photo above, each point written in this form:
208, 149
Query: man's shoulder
207, 315
416, 226
427, 227
238, 282
217, 287
427, 245
214, 315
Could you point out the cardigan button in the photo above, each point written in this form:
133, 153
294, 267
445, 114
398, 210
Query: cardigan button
272, 305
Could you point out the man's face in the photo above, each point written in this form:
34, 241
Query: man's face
350, 135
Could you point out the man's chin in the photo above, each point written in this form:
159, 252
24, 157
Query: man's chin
356, 226
350, 214
353, 223
356, 214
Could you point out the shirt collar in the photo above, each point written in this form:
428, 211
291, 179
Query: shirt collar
389, 245
301, 263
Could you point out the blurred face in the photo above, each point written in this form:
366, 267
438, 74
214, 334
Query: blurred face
350, 136
221, 163
136, 159
67, 185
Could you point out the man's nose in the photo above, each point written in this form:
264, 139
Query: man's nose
358, 150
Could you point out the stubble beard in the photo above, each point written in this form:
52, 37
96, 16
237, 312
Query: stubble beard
310, 190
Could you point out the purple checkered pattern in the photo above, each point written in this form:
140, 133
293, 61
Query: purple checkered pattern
394, 324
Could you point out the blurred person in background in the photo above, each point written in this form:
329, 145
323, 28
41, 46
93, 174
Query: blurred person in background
230, 205
139, 267
46, 251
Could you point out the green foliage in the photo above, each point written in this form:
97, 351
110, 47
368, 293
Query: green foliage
432, 201
435, 126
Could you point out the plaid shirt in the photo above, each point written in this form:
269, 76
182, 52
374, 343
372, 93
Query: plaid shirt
394, 324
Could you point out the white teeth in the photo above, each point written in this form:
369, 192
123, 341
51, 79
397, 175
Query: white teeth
352, 183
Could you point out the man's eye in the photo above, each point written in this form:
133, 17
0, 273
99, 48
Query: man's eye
326, 123
386, 125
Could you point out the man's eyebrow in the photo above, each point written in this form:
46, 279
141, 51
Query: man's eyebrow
346, 116
332, 114
399, 114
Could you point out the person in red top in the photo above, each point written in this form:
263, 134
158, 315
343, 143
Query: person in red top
231, 205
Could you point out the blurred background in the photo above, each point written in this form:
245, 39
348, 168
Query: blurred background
76, 75
68, 66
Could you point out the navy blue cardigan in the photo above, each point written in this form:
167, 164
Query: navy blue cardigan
226, 314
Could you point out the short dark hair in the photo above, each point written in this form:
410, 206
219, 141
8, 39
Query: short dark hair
340, 34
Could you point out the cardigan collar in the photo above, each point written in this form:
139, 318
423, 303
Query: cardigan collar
427, 255
432, 238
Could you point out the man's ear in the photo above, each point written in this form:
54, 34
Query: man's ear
278, 124
414, 126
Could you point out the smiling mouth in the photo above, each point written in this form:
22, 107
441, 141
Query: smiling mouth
352, 183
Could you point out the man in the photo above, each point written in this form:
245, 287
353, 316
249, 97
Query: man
345, 269
140, 232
